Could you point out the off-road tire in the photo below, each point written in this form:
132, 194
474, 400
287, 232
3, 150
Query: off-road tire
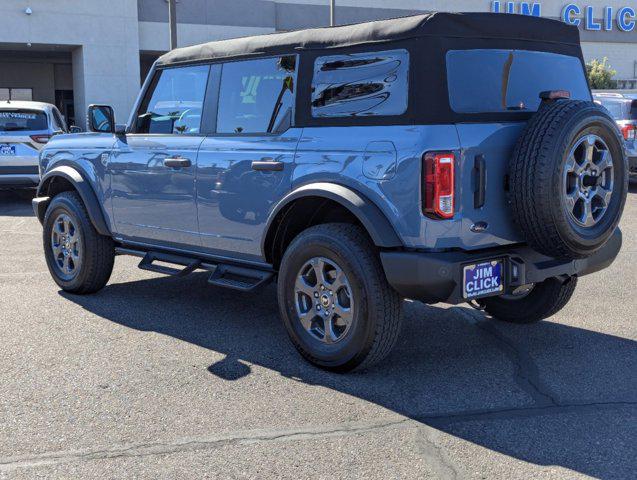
536, 172
377, 307
544, 300
98, 252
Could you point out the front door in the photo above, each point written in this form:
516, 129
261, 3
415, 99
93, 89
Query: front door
153, 167
246, 166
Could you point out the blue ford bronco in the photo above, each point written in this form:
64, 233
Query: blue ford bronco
442, 158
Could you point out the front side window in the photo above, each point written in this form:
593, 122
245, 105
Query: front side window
484, 81
361, 84
257, 96
174, 102
22, 121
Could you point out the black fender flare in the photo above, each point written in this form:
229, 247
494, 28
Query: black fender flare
84, 189
371, 217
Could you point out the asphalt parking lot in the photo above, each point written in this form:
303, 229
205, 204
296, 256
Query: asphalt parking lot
158, 377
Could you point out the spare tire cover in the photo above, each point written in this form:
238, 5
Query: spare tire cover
568, 179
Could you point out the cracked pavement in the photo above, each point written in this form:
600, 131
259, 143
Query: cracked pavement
160, 377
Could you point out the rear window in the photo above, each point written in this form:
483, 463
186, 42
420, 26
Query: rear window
22, 120
620, 109
616, 109
484, 81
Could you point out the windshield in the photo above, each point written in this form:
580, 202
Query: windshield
22, 120
482, 81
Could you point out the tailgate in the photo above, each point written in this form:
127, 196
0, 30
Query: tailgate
486, 149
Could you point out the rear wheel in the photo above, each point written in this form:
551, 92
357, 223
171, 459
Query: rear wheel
80, 260
532, 304
336, 304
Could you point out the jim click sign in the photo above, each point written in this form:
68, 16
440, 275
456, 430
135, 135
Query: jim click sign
591, 18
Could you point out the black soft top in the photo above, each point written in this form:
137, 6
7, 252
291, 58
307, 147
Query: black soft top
452, 25
428, 38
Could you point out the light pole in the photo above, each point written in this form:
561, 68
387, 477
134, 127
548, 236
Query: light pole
332, 13
172, 23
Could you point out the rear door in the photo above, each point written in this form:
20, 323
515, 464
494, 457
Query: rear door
510, 81
23, 132
153, 168
246, 165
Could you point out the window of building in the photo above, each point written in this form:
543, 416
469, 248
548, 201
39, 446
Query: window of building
257, 96
16, 94
361, 84
174, 102
482, 81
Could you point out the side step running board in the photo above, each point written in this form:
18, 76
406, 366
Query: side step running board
190, 265
244, 279
239, 278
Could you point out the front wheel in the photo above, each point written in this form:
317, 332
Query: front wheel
336, 304
537, 302
80, 260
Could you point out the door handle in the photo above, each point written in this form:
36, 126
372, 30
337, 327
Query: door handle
177, 162
267, 164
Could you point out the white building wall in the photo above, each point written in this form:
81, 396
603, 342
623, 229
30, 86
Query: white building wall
621, 56
103, 34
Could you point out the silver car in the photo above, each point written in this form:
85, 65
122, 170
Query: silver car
25, 127
623, 108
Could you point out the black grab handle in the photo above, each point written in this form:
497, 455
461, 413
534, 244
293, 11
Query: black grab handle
479, 192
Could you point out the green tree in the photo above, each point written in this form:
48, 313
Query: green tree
600, 74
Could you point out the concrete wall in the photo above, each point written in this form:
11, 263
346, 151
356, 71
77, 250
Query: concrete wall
105, 38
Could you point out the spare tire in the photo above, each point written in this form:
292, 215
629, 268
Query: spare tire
568, 179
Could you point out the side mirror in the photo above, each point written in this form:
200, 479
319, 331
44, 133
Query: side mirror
75, 129
100, 119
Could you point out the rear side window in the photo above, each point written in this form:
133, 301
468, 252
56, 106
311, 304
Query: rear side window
361, 84
58, 122
22, 120
174, 101
483, 81
256, 96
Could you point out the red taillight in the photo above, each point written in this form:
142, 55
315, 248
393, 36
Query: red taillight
438, 184
629, 132
41, 138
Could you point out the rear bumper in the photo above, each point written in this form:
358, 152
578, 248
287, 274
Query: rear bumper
437, 277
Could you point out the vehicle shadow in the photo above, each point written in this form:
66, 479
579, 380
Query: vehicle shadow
548, 394
16, 203
632, 187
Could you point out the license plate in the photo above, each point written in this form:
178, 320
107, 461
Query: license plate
483, 279
7, 150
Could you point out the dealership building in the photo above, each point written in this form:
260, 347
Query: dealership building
76, 52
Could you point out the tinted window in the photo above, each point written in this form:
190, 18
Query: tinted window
616, 109
510, 80
174, 102
361, 84
22, 120
256, 96
58, 122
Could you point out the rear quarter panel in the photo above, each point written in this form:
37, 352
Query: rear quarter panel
361, 158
